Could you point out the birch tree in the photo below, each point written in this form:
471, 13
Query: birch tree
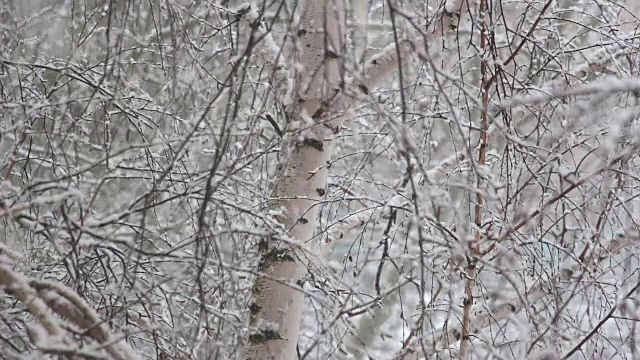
277, 296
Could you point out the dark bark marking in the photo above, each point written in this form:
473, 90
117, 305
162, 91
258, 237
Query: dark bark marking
254, 309
302, 32
316, 115
313, 143
264, 335
274, 255
320, 191
255, 25
332, 55
364, 89
263, 246
242, 12
303, 221
334, 129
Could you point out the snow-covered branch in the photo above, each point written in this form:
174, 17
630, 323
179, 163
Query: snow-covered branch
379, 66
425, 346
43, 299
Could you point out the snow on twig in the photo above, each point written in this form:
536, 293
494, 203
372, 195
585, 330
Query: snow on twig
44, 298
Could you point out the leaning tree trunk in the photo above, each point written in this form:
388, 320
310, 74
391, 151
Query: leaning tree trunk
276, 308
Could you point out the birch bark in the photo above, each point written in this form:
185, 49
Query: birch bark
276, 308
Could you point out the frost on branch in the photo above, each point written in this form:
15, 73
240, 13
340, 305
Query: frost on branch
57, 308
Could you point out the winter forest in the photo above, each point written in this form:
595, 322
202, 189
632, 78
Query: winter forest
319, 179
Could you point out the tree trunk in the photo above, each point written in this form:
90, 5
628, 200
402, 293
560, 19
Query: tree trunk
276, 308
